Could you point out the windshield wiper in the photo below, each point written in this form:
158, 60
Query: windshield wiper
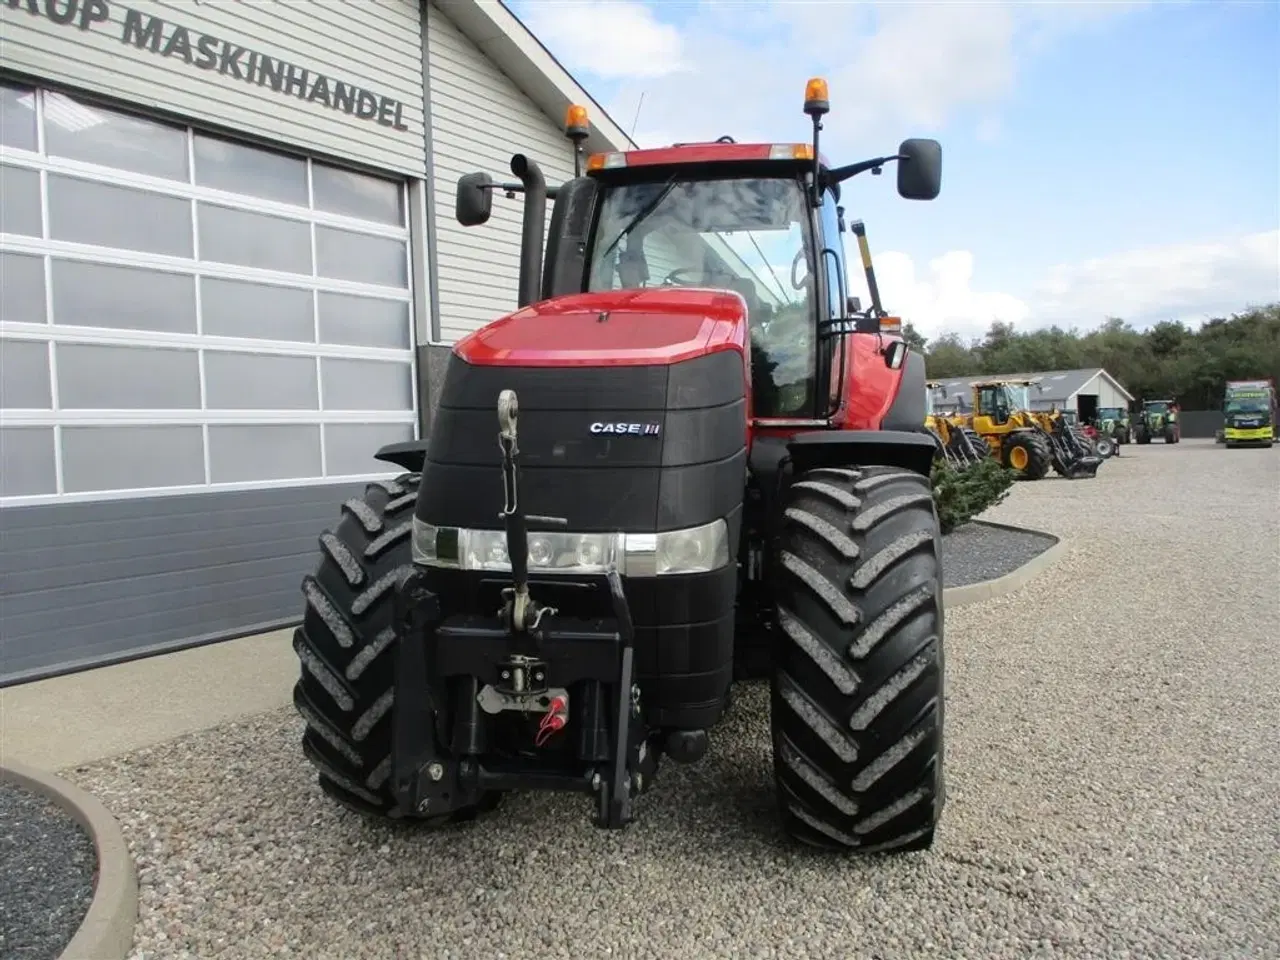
642, 215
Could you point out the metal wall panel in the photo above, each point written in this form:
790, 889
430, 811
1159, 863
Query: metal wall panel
341, 78
479, 118
83, 584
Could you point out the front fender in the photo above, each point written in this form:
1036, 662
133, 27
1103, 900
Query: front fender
909, 449
410, 455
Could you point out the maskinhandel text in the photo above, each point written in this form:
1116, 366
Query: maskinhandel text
207, 52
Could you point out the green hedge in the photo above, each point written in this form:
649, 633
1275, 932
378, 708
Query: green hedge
961, 495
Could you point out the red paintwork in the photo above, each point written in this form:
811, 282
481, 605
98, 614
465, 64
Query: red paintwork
703, 153
659, 325
667, 325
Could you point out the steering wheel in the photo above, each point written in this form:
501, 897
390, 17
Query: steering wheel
797, 283
670, 279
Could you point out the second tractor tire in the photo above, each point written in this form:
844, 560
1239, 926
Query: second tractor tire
857, 689
346, 650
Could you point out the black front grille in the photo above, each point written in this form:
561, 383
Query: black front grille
684, 464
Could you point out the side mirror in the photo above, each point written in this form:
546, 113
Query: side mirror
854, 305
895, 354
920, 169
474, 202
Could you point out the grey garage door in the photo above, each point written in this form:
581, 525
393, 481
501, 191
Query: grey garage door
201, 344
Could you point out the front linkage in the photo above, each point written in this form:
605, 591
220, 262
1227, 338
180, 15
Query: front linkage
526, 659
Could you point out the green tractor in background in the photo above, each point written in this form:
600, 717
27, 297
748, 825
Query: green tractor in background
1115, 423
1157, 418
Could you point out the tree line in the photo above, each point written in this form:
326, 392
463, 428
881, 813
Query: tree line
1168, 360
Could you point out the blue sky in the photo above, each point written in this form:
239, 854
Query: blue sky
1119, 158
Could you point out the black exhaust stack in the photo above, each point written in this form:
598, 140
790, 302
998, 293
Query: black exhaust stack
535, 225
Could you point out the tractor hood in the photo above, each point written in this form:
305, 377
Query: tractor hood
663, 325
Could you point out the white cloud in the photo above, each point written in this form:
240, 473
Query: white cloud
1189, 282
740, 68
1184, 282
942, 300
609, 38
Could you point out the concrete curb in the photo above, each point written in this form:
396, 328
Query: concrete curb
990, 589
106, 932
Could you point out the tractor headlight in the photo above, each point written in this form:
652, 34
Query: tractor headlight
694, 550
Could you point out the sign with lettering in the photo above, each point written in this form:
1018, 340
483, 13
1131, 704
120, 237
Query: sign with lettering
203, 51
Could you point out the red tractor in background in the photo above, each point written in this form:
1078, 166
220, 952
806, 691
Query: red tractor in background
667, 461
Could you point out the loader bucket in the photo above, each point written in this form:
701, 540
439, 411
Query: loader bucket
1086, 468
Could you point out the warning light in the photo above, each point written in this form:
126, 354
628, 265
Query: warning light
576, 123
816, 98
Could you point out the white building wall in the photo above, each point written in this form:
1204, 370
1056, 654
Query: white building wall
334, 77
479, 118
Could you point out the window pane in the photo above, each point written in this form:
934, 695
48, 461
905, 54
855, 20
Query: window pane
357, 195
366, 385
131, 457
17, 117
255, 381
232, 308
349, 447
21, 288
24, 375
80, 131
363, 321
93, 377
254, 240
108, 216
19, 201
354, 256
122, 298
262, 452
26, 461
240, 168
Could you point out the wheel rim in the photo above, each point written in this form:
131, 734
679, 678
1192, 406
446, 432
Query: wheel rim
1018, 458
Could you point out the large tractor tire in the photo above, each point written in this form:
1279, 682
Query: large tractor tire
857, 689
1028, 454
345, 648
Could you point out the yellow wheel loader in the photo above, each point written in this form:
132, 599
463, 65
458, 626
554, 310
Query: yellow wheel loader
957, 443
1030, 443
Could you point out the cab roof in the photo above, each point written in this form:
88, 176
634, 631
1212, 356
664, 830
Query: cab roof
718, 151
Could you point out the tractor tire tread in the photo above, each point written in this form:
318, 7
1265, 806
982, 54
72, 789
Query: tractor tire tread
346, 685
857, 689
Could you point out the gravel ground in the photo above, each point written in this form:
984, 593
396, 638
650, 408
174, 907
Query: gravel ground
47, 864
977, 552
1113, 782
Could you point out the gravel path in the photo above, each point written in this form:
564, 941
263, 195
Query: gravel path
977, 552
47, 865
1113, 780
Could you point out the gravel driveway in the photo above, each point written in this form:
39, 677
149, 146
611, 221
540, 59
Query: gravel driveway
1114, 772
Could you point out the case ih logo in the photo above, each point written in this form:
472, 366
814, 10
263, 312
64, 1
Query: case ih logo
640, 429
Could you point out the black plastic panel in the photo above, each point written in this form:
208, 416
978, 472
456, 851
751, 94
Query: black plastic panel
709, 381
558, 438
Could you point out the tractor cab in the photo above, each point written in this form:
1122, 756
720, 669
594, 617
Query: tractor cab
762, 220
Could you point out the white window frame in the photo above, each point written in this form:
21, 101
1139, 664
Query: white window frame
53, 333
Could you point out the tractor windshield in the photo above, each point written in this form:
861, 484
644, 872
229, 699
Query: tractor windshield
1157, 406
750, 235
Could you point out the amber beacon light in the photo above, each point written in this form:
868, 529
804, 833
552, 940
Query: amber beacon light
577, 127
816, 99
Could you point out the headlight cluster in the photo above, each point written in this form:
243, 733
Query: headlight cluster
695, 550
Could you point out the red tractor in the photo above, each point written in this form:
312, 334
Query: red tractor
688, 449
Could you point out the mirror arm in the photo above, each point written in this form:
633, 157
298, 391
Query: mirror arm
511, 189
841, 174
